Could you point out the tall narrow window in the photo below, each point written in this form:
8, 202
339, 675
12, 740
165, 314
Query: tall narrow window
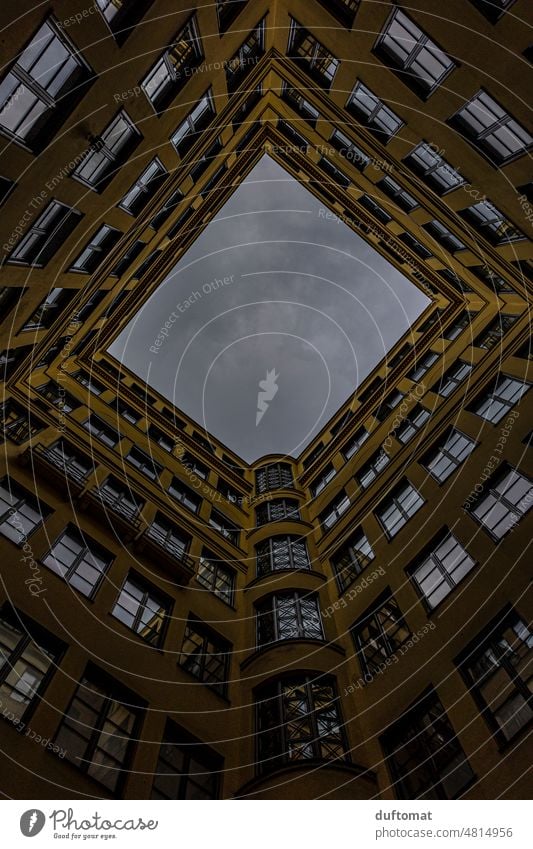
304, 49
215, 576
351, 559
206, 655
196, 121
445, 458
379, 633
371, 469
174, 67
424, 755
186, 768
247, 56
335, 509
299, 719
505, 499
102, 243
28, 655
495, 666
100, 727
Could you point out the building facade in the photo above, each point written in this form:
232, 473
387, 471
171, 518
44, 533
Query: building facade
348, 623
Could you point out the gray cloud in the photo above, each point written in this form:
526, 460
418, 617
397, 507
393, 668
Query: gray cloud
308, 298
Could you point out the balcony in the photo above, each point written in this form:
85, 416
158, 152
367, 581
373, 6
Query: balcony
67, 471
168, 551
121, 513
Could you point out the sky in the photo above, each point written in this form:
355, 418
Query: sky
275, 290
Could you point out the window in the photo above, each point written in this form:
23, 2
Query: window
184, 495
344, 10
490, 128
162, 439
369, 472
443, 236
274, 476
322, 481
493, 9
79, 560
196, 121
20, 512
44, 73
398, 508
298, 719
492, 223
373, 112
63, 456
281, 552
504, 500
379, 633
300, 105
398, 194
503, 394
415, 245
144, 463
102, 431
201, 165
101, 244
190, 462
336, 175
17, 423
355, 443
186, 768
144, 188
49, 309
9, 296
288, 616
86, 309
126, 412
143, 609
167, 209
122, 15
224, 526
227, 11
28, 655
424, 755
412, 423
108, 152
455, 329
175, 66
229, 493
350, 560
441, 570
433, 169
454, 280
11, 358
276, 510
46, 235
123, 264
488, 276
334, 510
57, 396
453, 378
388, 405
496, 331
163, 532
304, 49
423, 365
206, 655
119, 498
6, 187
100, 727
248, 55
349, 150
407, 48
370, 204
214, 575
495, 667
